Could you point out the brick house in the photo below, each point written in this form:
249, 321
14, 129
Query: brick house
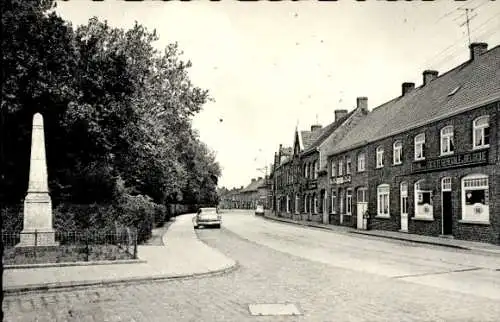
300, 177
427, 162
253, 194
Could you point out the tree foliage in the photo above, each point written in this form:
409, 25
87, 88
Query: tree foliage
117, 112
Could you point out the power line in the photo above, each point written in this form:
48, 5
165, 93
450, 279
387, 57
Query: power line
434, 57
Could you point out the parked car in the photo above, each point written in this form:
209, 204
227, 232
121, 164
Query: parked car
207, 217
259, 210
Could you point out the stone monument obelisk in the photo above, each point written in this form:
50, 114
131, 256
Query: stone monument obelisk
37, 204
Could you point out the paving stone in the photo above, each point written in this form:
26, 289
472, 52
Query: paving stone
321, 292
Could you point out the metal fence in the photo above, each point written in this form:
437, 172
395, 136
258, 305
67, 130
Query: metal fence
69, 246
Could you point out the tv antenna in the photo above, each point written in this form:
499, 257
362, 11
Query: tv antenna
468, 18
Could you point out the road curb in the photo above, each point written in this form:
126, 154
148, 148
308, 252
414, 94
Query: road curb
383, 236
65, 264
98, 283
411, 240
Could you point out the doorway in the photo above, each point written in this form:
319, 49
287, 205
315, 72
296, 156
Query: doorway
361, 207
447, 207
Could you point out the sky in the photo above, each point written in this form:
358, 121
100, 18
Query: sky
275, 66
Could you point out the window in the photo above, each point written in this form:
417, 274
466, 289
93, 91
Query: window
383, 200
305, 204
311, 171
348, 201
334, 170
404, 198
306, 171
419, 146
475, 198
397, 152
380, 157
447, 146
446, 184
287, 204
315, 204
297, 204
361, 162
341, 168
348, 165
362, 195
316, 168
423, 200
334, 201
481, 132
341, 200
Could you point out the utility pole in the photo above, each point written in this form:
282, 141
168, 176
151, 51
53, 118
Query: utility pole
467, 21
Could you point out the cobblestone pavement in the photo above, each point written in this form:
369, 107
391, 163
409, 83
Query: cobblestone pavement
322, 292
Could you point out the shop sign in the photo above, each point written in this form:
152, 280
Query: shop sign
453, 161
341, 180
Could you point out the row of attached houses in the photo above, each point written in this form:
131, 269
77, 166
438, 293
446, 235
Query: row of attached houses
255, 193
426, 162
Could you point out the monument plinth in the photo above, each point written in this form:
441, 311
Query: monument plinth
37, 204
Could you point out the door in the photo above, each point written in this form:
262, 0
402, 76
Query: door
361, 207
404, 206
447, 209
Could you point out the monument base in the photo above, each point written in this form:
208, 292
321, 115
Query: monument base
45, 238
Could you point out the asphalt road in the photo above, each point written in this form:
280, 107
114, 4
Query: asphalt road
328, 276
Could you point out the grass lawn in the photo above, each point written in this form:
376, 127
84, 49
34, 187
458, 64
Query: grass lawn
63, 254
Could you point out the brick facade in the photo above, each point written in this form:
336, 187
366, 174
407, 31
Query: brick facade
394, 175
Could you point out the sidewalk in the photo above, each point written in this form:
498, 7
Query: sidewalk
182, 256
439, 241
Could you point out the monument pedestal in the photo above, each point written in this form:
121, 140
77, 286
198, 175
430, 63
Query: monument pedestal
37, 221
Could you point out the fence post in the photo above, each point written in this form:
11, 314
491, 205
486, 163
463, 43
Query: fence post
135, 245
87, 245
36, 243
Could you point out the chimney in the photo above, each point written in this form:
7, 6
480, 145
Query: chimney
260, 178
241, 188
340, 114
362, 103
407, 87
429, 75
253, 179
315, 127
477, 49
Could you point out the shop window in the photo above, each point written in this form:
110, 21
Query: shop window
447, 145
383, 200
423, 200
397, 152
475, 198
361, 162
481, 132
419, 147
